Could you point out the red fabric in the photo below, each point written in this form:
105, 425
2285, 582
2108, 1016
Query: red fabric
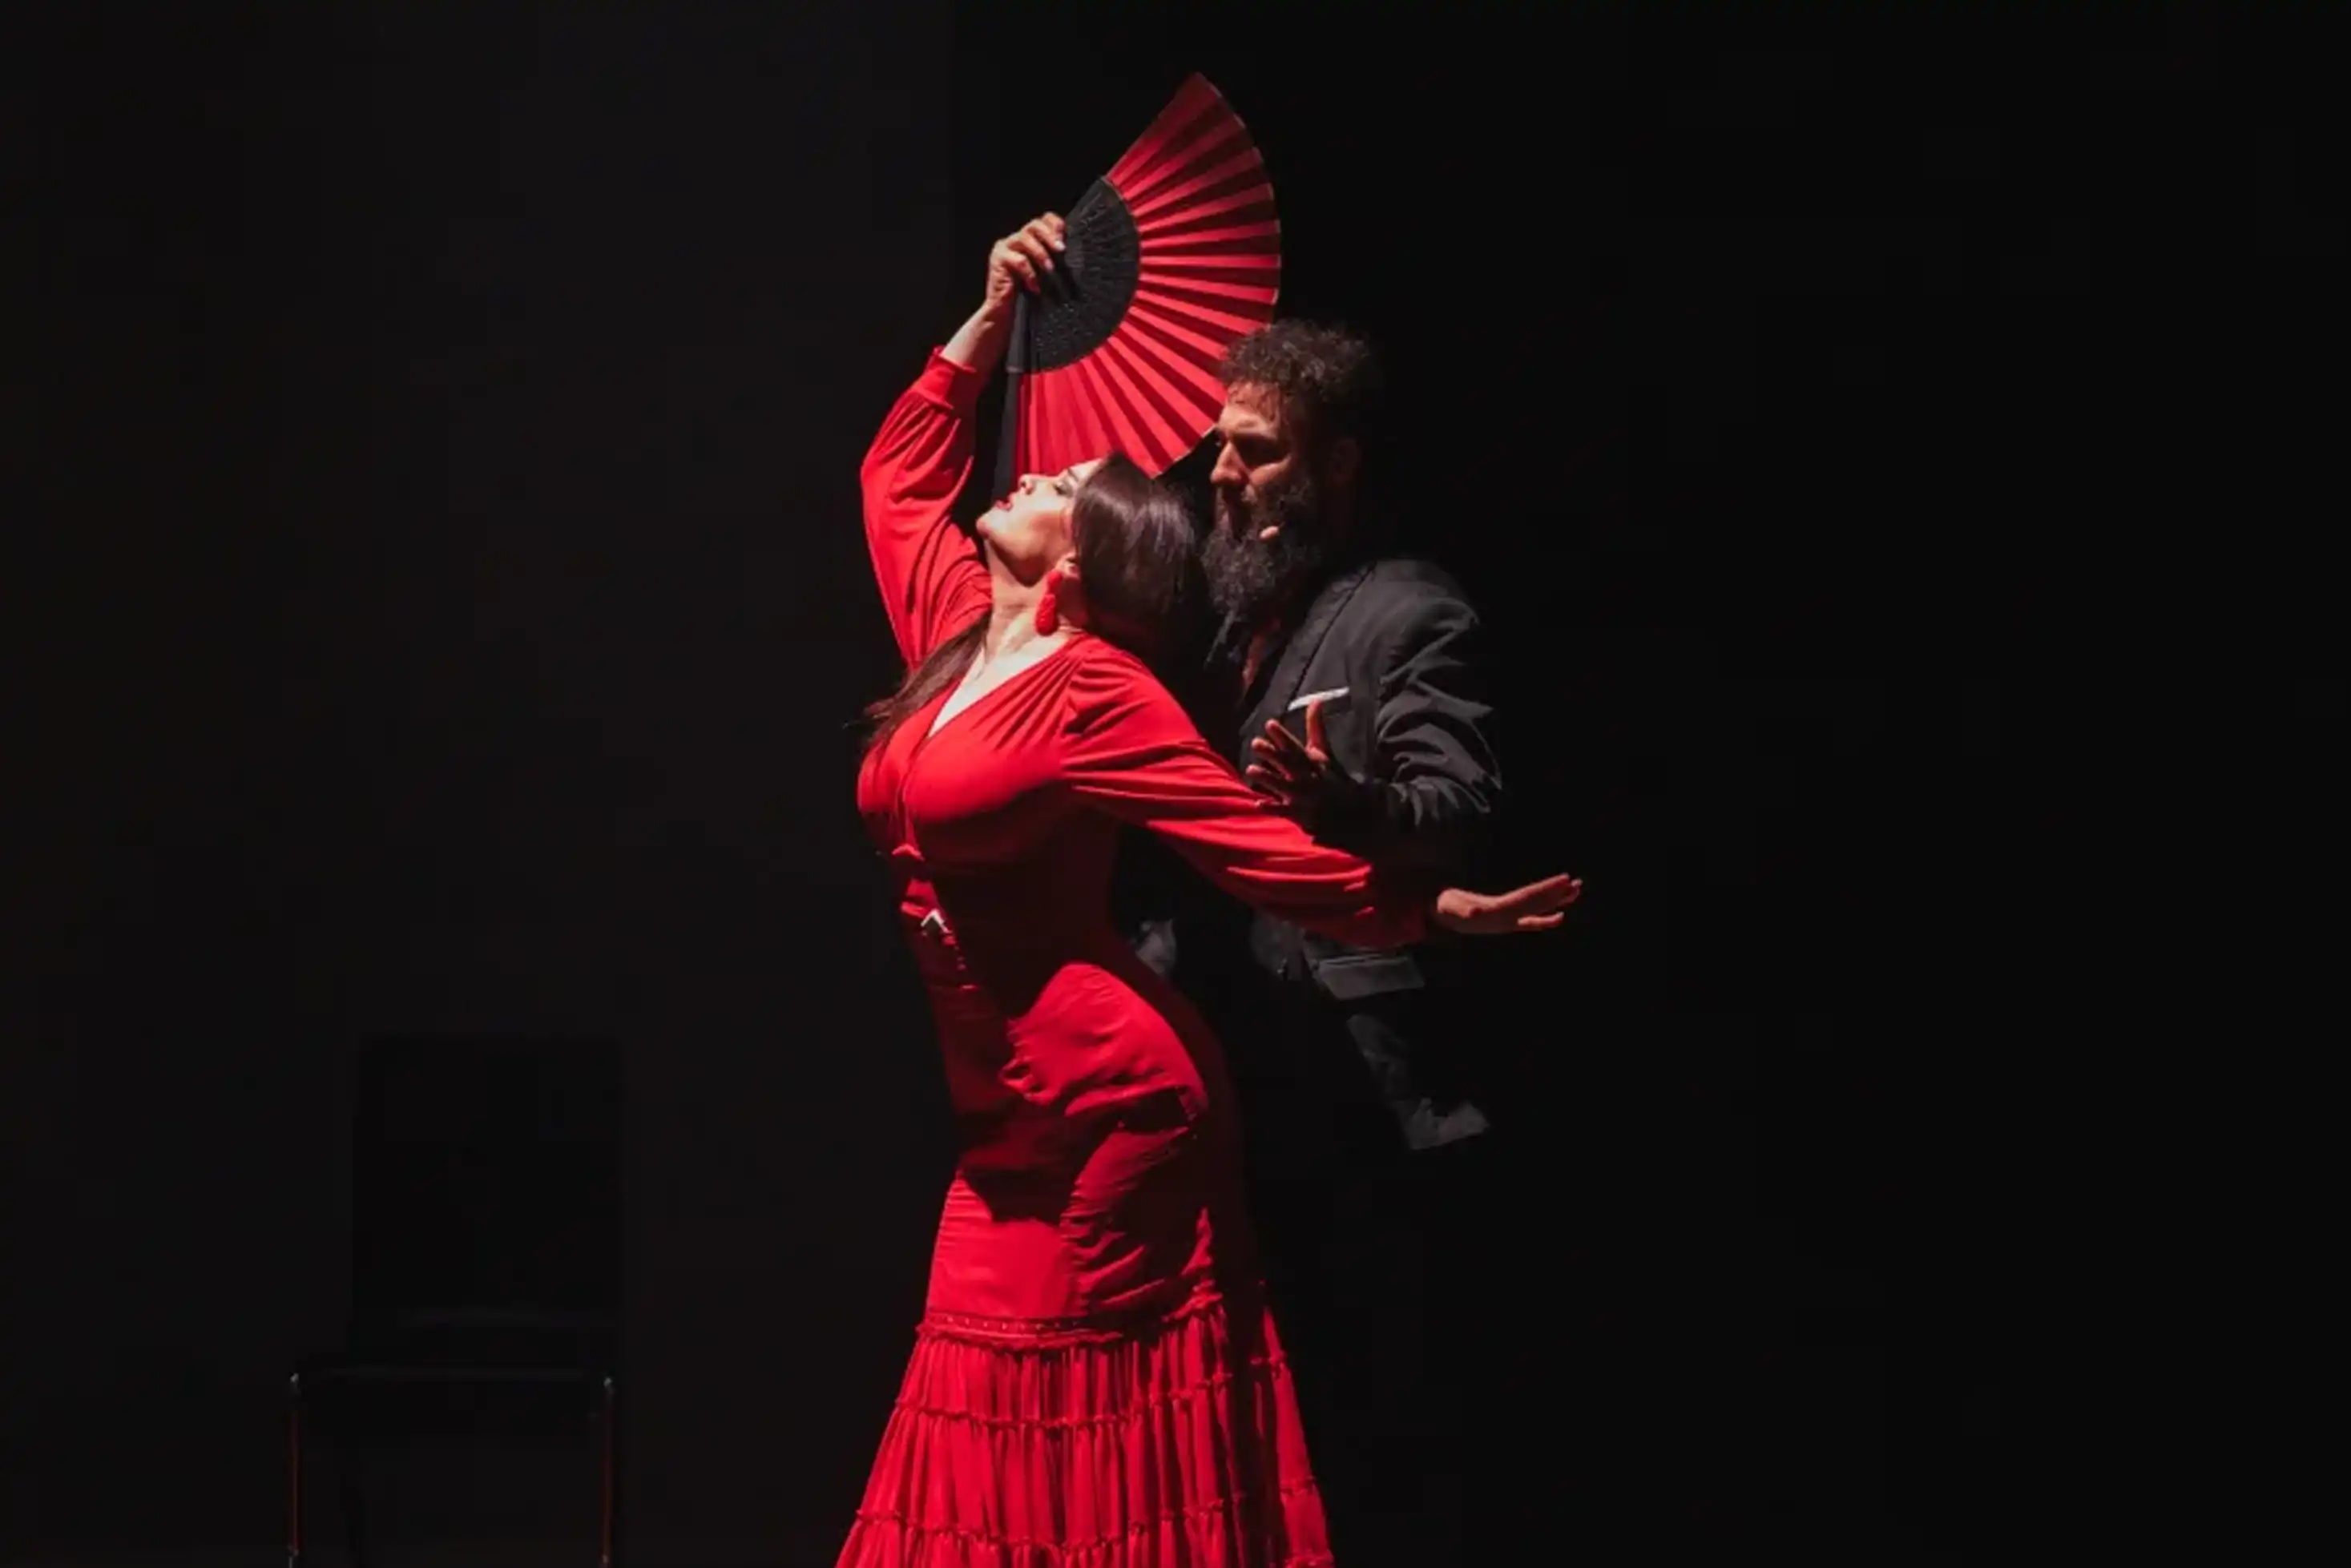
1175, 1444
1208, 269
932, 583
1095, 1383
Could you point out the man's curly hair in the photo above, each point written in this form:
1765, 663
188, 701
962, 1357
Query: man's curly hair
1328, 377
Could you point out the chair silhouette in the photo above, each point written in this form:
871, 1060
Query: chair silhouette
486, 1263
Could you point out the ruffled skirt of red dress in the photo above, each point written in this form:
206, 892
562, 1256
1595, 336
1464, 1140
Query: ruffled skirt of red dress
1043, 1446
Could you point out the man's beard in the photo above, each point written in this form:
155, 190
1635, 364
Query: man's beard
1249, 578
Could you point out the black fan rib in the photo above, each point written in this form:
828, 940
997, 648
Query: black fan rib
1091, 284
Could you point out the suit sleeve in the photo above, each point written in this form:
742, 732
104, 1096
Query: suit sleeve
931, 579
1130, 751
1434, 785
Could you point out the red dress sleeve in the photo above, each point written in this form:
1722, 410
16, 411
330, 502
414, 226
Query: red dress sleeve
1130, 751
932, 581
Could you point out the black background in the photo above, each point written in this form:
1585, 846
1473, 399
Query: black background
433, 433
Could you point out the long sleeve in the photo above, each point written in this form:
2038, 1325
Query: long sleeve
931, 579
1131, 752
1434, 785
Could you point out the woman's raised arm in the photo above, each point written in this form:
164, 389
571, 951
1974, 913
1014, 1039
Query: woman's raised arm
930, 576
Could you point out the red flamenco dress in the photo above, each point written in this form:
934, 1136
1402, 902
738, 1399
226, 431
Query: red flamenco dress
1096, 1382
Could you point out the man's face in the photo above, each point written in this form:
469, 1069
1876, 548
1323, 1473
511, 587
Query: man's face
1269, 534
1257, 454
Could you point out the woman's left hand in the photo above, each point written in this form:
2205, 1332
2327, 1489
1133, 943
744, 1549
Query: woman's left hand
1295, 776
1534, 907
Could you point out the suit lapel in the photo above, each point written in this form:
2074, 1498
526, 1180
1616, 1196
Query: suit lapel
1289, 677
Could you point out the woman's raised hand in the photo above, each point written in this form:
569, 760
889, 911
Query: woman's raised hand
1022, 258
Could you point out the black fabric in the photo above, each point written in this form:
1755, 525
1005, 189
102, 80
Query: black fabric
1400, 638
1356, 1071
1388, 1272
1081, 301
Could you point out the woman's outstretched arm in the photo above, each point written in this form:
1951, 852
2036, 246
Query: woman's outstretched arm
1130, 751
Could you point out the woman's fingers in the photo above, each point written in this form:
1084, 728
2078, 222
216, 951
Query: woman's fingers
1318, 743
1278, 741
1278, 778
1551, 893
1026, 255
1534, 907
1034, 248
1267, 776
1015, 262
1047, 231
1271, 788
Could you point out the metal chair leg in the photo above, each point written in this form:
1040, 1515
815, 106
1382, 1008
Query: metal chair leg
293, 1471
354, 1494
610, 1440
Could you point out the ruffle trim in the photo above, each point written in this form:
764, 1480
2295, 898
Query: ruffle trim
1019, 1446
1224, 1516
1031, 1336
1154, 1405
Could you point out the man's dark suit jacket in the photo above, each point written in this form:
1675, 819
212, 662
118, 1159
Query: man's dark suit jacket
1393, 646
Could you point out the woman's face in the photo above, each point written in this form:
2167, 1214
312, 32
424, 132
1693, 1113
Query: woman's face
1028, 530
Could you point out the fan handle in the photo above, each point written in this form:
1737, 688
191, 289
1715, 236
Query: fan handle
1015, 371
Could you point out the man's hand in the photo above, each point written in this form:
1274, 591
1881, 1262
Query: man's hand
1295, 775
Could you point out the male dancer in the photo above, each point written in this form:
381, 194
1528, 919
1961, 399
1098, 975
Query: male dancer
1345, 680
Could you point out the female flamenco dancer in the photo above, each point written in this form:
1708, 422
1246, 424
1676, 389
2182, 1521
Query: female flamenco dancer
1096, 1381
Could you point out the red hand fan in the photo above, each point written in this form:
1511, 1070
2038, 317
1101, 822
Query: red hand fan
1172, 256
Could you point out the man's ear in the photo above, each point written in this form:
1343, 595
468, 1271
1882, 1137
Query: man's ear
1344, 461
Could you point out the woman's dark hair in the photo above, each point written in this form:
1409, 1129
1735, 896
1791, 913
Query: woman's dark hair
1138, 558
1139, 574
942, 667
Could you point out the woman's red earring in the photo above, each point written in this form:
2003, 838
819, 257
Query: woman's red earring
1048, 606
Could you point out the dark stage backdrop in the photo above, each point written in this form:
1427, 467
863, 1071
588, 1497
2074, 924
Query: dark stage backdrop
444, 603
449, 603
1575, 292
1801, 390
